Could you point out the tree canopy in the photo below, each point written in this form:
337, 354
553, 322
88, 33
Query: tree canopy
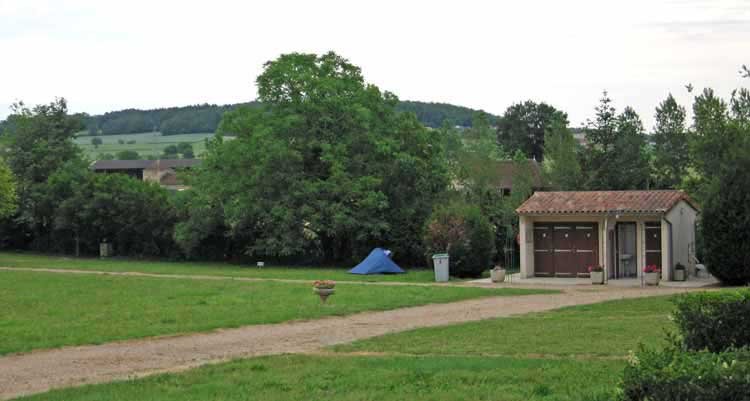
523, 125
327, 167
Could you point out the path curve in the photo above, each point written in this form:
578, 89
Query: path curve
40, 371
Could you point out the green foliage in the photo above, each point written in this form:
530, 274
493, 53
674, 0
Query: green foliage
523, 126
616, 155
466, 235
40, 142
8, 195
96, 142
327, 169
671, 374
561, 167
135, 216
435, 115
726, 225
716, 321
127, 155
206, 118
671, 153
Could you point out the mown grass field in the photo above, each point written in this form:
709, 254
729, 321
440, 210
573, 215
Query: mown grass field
607, 329
47, 310
574, 353
148, 143
30, 260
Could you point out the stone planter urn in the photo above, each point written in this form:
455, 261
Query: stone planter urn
324, 293
652, 278
324, 289
597, 277
497, 275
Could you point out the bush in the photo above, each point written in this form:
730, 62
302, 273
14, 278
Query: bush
714, 321
466, 234
726, 226
672, 374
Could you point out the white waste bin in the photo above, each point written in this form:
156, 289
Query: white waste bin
440, 260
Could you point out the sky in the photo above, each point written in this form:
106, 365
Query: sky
109, 55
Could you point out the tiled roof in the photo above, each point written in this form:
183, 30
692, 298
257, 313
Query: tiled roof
599, 202
143, 164
508, 171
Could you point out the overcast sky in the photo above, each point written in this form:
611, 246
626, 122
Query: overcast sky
109, 55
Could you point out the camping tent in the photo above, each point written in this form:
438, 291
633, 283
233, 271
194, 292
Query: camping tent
377, 262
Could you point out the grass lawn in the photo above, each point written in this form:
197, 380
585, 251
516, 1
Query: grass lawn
30, 260
147, 143
46, 310
341, 378
606, 329
552, 356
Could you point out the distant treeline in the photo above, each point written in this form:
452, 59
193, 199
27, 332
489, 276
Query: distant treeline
206, 117
169, 121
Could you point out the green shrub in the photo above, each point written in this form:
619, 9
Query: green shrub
726, 226
673, 375
466, 234
714, 320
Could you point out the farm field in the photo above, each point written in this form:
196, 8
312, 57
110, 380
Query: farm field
500, 359
30, 260
146, 144
48, 310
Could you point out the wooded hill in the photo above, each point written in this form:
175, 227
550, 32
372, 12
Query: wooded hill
205, 117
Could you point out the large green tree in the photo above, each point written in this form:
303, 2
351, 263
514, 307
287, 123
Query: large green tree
671, 154
39, 143
615, 157
561, 167
523, 125
326, 168
8, 196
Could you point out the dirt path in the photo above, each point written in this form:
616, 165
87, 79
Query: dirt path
44, 370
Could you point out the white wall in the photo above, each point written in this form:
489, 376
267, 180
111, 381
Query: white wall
682, 217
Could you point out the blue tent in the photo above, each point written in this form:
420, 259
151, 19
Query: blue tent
377, 262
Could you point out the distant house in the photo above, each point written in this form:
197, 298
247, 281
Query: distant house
508, 170
162, 172
562, 233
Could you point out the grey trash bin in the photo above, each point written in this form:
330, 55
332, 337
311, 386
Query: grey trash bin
440, 260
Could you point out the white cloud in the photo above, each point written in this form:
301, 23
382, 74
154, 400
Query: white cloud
107, 55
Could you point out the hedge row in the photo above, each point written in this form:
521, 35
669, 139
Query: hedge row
715, 321
674, 375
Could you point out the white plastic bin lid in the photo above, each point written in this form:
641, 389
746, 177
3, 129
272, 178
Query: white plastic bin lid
440, 256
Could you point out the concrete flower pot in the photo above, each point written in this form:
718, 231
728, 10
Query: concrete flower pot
324, 293
497, 275
597, 277
652, 278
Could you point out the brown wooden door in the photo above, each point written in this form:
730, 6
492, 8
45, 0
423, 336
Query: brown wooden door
565, 264
586, 246
544, 260
653, 244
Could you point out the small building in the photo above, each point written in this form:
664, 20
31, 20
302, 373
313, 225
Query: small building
162, 172
508, 170
562, 233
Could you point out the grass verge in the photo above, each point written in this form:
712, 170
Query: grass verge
606, 329
46, 310
31, 260
346, 378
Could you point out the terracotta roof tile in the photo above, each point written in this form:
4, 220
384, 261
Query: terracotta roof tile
598, 202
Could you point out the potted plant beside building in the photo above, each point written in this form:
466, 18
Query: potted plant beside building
497, 274
597, 274
324, 289
651, 274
